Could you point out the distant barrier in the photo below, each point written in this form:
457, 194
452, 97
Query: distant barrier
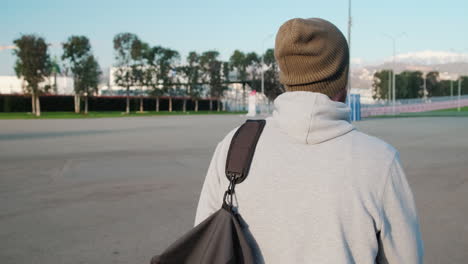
65, 103
359, 110
414, 105
355, 105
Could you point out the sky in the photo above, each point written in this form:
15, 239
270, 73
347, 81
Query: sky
228, 25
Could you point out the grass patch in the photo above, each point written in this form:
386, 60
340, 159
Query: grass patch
71, 115
449, 112
436, 113
462, 109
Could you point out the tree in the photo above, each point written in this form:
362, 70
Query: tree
55, 69
151, 74
76, 52
191, 75
33, 65
162, 63
243, 63
464, 84
409, 84
129, 51
239, 63
432, 83
226, 70
216, 83
139, 67
153, 82
273, 87
139, 80
381, 86
167, 71
90, 78
252, 60
211, 73
444, 88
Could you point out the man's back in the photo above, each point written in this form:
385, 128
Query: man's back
319, 191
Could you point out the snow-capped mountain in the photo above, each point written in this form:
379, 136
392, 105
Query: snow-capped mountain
449, 64
429, 57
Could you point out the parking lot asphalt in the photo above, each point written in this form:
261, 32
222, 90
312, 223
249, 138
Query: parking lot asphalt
121, 190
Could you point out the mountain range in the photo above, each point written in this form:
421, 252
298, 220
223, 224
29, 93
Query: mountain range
450, 65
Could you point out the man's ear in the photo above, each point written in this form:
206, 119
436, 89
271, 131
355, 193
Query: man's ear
341, 96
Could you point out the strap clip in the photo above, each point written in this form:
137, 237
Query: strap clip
228, 195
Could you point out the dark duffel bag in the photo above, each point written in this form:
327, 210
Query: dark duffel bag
221, 238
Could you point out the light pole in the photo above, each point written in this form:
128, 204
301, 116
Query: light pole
459, 93
451, 89
425, 86
394, 38
389, 86
349, 48
263, 63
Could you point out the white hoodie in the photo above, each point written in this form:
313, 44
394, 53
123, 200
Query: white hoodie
318, 190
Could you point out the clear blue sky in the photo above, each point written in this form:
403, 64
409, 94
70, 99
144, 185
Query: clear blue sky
228, 25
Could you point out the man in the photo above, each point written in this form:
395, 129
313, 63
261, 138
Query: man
318, 190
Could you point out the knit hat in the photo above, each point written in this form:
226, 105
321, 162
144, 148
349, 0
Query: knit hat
312, 55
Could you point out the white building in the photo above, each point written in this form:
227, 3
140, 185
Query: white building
11, 85
15, 85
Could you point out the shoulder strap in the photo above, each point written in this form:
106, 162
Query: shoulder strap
242, 149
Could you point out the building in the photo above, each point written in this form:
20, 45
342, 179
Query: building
14, 85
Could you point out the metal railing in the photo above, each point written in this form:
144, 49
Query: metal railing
414, 105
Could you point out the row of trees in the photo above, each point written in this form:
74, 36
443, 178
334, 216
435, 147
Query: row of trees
414, 84
34, 65
160, 70
153, 70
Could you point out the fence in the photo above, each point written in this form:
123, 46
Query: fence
413, 105
366, 110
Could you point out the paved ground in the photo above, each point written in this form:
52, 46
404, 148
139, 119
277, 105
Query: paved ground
120, 190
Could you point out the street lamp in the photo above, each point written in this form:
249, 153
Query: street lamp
425, 86
394, 38
459, 93
349, 48
451, 78
451, 89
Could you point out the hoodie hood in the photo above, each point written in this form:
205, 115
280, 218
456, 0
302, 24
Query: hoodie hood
310, 117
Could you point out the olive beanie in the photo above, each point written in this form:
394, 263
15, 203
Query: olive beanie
312, 55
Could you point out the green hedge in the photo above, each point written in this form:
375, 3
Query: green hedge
64, 103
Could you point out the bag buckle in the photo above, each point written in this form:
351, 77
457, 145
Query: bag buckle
228, 195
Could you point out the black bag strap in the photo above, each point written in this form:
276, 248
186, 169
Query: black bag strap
242, 149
